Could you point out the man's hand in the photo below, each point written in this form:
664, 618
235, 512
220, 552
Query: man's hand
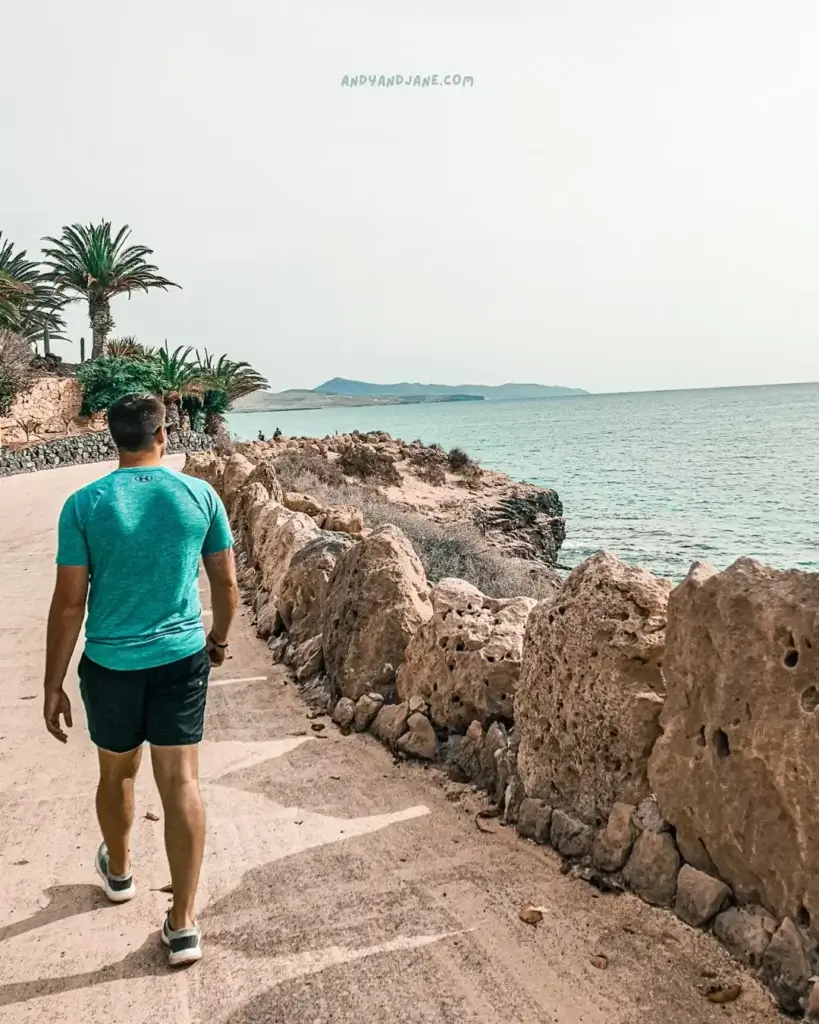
56, 704
216, 653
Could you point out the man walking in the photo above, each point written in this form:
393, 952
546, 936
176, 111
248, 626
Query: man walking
130, 544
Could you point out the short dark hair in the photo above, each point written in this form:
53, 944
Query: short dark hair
135, 420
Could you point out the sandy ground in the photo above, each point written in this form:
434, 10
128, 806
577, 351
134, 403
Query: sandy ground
339, 886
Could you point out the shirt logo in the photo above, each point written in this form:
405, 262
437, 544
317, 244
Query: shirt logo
144, 479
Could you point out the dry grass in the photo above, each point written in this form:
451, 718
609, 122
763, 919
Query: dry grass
371, 465
459, 551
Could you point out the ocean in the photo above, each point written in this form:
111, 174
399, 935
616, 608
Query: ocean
663, 478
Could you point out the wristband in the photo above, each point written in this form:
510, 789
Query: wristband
222, 647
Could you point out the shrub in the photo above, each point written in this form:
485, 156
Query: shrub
8, 391
370, 464
15, 368
432, 474
458, 460
429, 465
107, 379
462, 552
298, 471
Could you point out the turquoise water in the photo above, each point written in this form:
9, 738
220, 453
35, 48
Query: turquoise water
660, 478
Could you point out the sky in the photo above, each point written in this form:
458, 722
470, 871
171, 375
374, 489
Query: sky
627, 197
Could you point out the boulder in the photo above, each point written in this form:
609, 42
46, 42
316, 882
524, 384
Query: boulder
465, 661
700, 897
613, 844
736, 769
420, 740
591, 688
366, 708
303, 589
377, 599
344, 713
302, 503
206, 466
344, 519
264, 473
308, 658
236, 473
278, 535
785, 968
534, 820
248, 504
390, 724
653, 867
746, 933
572, 837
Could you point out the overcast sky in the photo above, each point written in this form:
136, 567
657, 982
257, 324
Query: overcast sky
626, 199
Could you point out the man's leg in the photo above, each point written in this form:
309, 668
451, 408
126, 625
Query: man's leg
176, 770
115, 805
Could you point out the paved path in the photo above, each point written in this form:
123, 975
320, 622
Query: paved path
338, 886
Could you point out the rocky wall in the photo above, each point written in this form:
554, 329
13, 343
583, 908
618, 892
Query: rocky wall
51, 405
661, 742
77, 449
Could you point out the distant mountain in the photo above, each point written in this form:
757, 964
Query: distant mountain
292, 401
340, 386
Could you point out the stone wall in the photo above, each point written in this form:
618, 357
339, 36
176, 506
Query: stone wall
52, 403
662, 742
92, 446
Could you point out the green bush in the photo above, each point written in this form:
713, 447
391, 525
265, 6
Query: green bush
105, 380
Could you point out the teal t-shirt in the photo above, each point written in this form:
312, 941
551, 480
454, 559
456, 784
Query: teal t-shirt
141, 533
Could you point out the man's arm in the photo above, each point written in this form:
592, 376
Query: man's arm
64, 624
224, 599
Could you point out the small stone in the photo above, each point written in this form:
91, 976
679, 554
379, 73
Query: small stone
543, 825
344, 713
649, 818
531, 915
571, 837
745, 933
494, 740
421, 740
390, 724
785, 968
417, 705
612, 845
366, 709
513, 797
527, 817
653, 867
699, 896
464, 753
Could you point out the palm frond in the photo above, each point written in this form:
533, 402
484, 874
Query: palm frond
87, 259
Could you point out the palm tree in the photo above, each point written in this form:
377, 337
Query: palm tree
224, 381
29, 304
92, 264
176, 377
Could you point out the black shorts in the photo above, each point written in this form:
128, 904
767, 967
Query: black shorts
163, 705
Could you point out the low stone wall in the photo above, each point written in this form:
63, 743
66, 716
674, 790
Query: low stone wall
661, 742
93, 446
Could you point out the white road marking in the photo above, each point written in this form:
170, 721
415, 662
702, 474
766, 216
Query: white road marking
245, 679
